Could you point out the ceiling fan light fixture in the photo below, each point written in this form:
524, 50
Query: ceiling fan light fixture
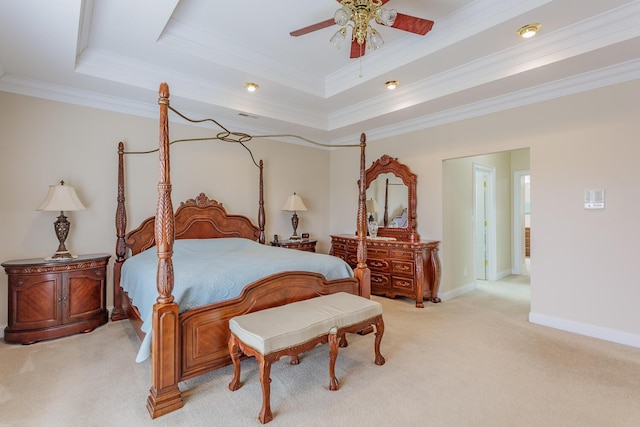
338, 38
392, 84
387, 17
529, 30
375, 39
251, 87
342, 16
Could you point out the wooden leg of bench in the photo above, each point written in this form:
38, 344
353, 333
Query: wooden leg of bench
333, 355
343, 340
265, 371
294, 360
379, 331
235, 352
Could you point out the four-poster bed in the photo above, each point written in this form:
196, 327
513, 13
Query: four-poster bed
187, 343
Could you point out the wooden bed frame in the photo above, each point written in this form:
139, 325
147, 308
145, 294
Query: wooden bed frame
184, 345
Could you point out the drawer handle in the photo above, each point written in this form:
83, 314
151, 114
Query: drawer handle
377, 264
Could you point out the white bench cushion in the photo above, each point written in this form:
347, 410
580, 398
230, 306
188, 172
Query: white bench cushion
288, 325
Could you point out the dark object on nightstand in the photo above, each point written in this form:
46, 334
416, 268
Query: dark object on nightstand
52, 299
301, 245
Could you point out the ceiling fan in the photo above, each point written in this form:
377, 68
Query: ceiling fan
358, 15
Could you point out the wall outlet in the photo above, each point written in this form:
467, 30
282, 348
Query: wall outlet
466, 271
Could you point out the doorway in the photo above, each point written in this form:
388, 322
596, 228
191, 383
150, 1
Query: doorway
521, 221
466, 203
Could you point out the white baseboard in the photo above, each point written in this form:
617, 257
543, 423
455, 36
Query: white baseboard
457, 292
606, 334
502, 274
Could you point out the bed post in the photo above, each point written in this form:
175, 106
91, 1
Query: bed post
261, 215
362, 272
164, 395
121, 227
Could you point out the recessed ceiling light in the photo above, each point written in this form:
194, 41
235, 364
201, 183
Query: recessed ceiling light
251, 87
391, 84
529, 30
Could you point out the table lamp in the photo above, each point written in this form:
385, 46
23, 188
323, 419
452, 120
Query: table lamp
293, 204
372, 206
61, 198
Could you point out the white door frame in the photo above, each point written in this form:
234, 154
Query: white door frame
490, 206
518, 218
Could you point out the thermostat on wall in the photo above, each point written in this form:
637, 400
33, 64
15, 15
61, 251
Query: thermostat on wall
594, 199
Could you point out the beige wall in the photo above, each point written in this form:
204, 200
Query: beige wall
583, 262
583, 274
42, 142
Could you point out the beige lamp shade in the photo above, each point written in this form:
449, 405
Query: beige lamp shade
61, 198
372, 205
294, 203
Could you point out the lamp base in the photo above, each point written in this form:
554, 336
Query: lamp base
62, 255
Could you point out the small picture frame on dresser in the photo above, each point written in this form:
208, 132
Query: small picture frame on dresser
305, 236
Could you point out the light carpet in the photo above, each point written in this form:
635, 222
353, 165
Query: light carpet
472, 361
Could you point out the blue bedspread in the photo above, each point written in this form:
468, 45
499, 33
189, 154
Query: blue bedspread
212, 270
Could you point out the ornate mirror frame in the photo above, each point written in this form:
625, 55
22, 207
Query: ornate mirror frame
387, 164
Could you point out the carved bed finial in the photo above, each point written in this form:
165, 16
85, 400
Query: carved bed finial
202, 201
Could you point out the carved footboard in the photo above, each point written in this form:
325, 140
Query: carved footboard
204, 331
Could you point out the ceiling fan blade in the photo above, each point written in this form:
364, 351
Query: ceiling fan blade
412, 24
314, 27
358, 50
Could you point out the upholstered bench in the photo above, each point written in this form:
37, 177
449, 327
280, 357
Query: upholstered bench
297, 327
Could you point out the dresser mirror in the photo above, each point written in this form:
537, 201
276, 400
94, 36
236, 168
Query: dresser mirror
391, 198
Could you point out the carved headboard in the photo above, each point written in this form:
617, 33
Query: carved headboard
199, 218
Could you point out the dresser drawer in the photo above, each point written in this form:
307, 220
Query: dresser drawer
379, 280
403, 283
402, 267
380, 265
339, 245
352, 260
377, 252
401, 253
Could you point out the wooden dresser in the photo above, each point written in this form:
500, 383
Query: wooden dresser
51, 299
398, 268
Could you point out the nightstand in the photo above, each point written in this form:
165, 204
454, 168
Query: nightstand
52, 299
301, 245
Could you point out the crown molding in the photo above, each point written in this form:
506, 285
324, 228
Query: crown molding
611, 75
607, 76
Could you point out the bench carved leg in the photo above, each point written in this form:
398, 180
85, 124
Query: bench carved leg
333, 355
265, 371
235, 352
379, 332
343, 340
